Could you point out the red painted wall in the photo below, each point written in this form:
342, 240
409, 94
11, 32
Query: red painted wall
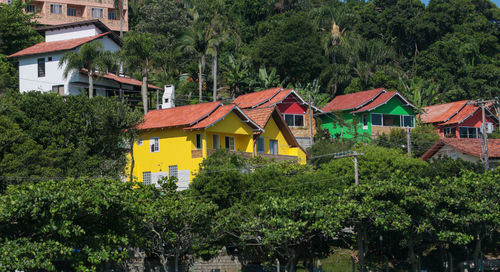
474, 121
290, 105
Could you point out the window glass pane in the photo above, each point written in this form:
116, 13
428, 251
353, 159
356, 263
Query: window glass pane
376, 119
289, 120
391, 120
407, 121
56, 9
199, 143
473, 133
299, 120
172, 171
71, 12
260, 145
365, 120
30, 8
112, 15
215, 141
463, 132
146, 178
231, 143
96, 12
139, 141
154, 144
273, 147
41, 67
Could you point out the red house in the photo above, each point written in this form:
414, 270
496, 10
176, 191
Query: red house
293, 108
459, 119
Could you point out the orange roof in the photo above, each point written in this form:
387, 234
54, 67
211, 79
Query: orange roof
220, 113
260, 115
123, 79
352, 101
381, 100
463, 114
280, 96
178, 116
442, 112
466, 146
255, 99
46, 47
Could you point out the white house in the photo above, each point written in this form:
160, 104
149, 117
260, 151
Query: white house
39, 64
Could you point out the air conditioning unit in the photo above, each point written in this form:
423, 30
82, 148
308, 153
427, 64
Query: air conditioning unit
489, 127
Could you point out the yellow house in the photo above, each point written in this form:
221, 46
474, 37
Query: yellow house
174, 141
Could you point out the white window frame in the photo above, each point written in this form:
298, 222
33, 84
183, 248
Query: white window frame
154, 144
198, 142
261, 141
139, 141
381, 119
173, 171
146, 178
114, 17
401, 121
30, 8
293, 115
273, 147
54, 10
216, 139
447, 131
229, 143
478, 132
100, 12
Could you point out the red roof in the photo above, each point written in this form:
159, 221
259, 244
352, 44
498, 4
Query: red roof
255, 99
463, 114
260, 115
178, 116
380, 100
466, 146
442, 112
352, 101
123, 79
46, 47
280, 96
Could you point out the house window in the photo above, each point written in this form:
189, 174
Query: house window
260, 145
146, 178
376, 119
199, 141
391, 120
55, 8
365, 121
41, 67
58, 89
172, 171
30, 8
154, 144
112, 15
294, 120
229, 143
97, 13
215, 141
450, 132
139, 141
468, 132
71, 11
273, 147
407, 121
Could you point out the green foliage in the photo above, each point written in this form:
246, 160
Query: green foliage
8, 75
422, 138
46, 135
77, 224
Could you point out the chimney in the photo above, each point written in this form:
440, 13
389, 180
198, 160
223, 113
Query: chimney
168, 98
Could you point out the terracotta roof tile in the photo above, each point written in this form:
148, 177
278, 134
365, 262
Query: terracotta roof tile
352, 101
280, 96
214, 117
467, 146
124, 79
260, 115
178, 116
463, 114
380, 100
256, 98
46, 47
442, 112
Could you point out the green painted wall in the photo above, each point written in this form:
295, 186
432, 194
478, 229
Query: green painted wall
343, 123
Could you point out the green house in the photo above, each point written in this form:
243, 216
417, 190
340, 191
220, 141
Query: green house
364, 115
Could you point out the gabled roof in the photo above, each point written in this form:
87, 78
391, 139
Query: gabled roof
382, 99
124, 80
442, 112
462, 115
255, 99
352, 101
262, 116
466, 146
178, 116
46, 47
220, 113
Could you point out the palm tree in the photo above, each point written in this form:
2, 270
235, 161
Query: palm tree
235, 74
137, 54
91, 57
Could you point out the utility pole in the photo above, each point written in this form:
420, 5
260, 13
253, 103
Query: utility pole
310, 120
484, 145
408, 141
345, 154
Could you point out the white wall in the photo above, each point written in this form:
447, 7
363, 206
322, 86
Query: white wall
72, 33
449, 151
29, 80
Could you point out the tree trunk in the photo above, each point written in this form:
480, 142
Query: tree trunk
164, 262
144, 88
477, 250
91, 84
176, 265
411, 253
200, 87
214, 71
